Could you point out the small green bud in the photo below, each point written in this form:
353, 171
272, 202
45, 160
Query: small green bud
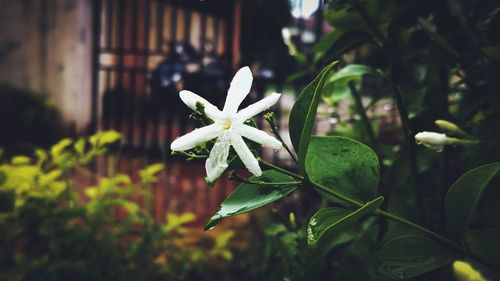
269, 117
200, 107
450, 128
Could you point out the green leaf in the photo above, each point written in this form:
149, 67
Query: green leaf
408, 256
344, 165
105, 138
57, 149
329, 221
248, 197
352, 72
21, 160
337, 85
175, 221
80, 146
303, 114
485, 243
345, 42
325, 44
148, 174
465, 193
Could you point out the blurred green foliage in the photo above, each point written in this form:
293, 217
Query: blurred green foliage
50, 231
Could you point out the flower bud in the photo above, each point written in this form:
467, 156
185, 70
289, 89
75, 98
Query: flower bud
450, 128
431, 139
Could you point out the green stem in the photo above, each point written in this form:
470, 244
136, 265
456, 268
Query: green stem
438, 237
274, 129
429, 29
337, 195
190, 155
362, 112
456, 141
263, 183
286, 172
412, 155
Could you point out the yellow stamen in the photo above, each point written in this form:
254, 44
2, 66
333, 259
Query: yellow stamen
227, 124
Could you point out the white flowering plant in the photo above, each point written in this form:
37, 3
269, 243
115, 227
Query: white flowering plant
343, 171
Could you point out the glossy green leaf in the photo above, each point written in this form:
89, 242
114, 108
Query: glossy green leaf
248, 197
337, 85
465, 193
352, 72
303, 114
329, 221
325, 43
408, 256
344, 165
485, 243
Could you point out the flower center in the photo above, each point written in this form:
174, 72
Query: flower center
227, 124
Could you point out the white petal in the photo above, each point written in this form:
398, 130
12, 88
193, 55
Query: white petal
239, 89
257, 107
217, 160
432, 140
190, 99
245, 154
196, 137
259, 136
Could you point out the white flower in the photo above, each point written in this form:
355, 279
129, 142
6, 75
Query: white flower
432, 140
228, 127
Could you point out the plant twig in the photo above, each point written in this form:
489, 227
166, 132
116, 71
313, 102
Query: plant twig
412, 156
361, 111
270, 120
236, 177
286, 172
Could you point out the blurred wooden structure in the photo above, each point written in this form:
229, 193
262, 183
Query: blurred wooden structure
146, 51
